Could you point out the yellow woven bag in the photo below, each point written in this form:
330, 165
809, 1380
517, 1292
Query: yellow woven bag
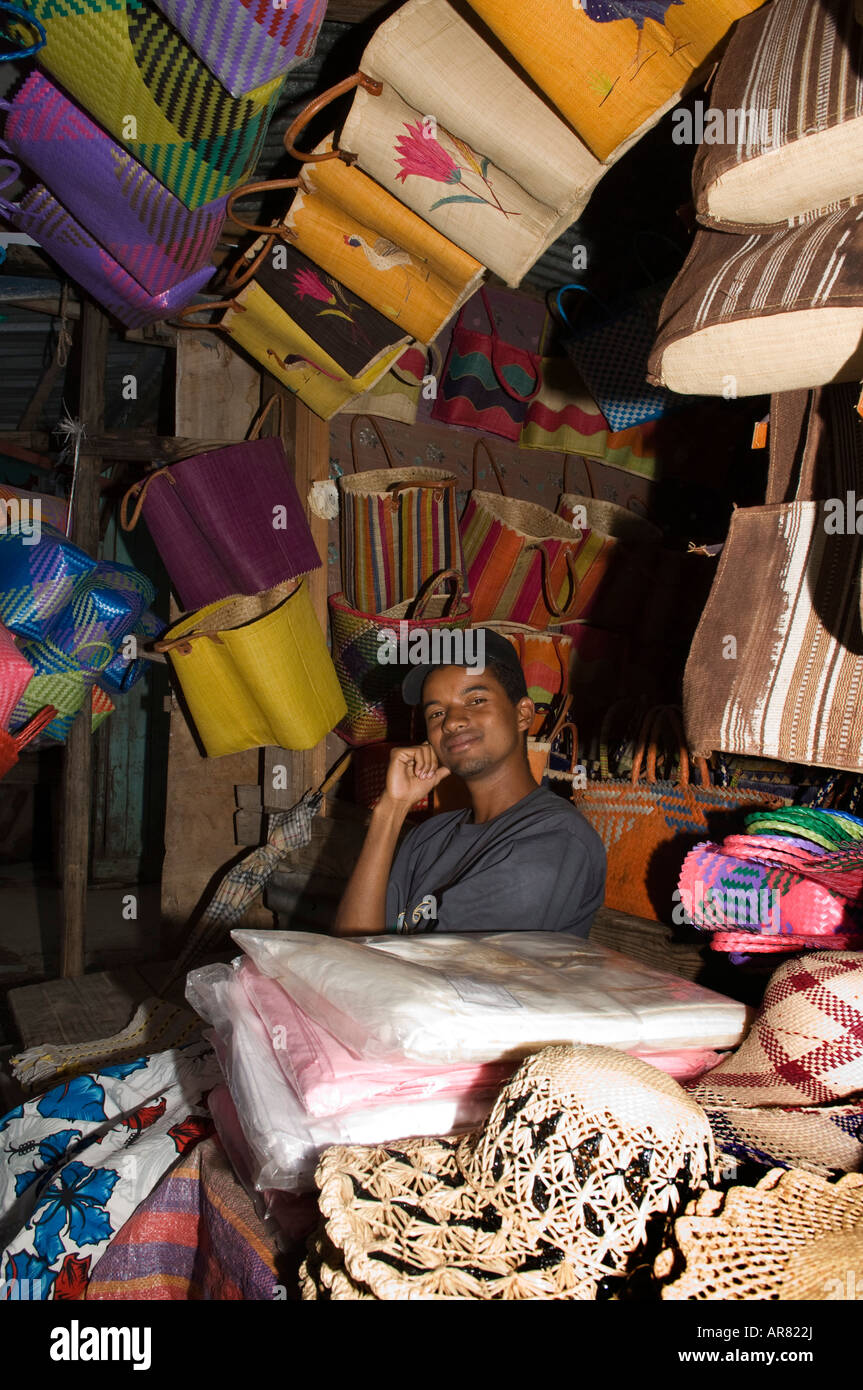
255, 671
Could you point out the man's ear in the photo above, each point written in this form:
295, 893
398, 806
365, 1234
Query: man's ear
526, 710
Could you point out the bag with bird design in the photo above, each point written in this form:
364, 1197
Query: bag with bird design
136, 76
375, 246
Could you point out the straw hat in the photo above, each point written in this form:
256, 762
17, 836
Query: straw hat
323, 1275
806, 1044
553, 1195
793, 1236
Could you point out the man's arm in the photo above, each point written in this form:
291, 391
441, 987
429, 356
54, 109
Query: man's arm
411, 775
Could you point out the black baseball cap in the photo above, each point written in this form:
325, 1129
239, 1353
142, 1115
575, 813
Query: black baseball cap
497, 648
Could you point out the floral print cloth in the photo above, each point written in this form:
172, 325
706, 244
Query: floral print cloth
77, 1161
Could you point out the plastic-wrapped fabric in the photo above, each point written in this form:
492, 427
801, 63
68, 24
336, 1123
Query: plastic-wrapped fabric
284, 1141
329, 1078
485, 998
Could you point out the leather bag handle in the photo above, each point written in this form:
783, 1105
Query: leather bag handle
481, 444
359, 79
430, 588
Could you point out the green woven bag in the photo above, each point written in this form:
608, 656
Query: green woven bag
124, 63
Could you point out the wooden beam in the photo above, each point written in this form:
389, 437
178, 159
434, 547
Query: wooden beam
134, 445
357, 11
77, 765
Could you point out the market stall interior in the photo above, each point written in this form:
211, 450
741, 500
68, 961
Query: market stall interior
431, 734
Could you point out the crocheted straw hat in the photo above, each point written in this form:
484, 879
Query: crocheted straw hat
806, 1044
765, 1242
554, 1194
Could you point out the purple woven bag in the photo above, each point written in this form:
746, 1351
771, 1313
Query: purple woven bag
227, 522
246, 43
154, 236
40, 216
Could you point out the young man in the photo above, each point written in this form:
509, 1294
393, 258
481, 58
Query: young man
522, 859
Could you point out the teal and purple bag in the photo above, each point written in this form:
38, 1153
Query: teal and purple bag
247, 42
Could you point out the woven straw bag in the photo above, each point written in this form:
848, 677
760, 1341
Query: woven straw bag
648, 827
372, 689
212, 517
82, 257
520, 559
133, 72
59, 681
15, 674
617, 557
398, 528
246, 45
141, 223
255, 672
12, 745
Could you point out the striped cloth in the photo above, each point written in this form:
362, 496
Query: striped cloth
196, 1237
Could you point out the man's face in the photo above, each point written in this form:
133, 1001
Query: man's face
471, 723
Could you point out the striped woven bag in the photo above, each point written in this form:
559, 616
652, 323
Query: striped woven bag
15, 673
398, 528
247, 42
154, 236
125, 64
372, 688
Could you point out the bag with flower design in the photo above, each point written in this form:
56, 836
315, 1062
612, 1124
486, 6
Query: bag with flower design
443, 123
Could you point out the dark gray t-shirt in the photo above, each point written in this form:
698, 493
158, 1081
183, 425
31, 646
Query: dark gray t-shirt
537, 867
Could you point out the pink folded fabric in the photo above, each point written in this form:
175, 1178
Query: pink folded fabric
329, 1078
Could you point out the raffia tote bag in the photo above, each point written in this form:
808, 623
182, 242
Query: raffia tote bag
227, 522
255, 672
444, 123
618, 555
520, 559
372, 686
776, 664
399, 527
649, 827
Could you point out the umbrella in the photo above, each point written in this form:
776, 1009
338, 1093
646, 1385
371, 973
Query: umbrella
247, 879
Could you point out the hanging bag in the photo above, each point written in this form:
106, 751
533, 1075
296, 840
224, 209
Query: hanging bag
372, 686
487, 383
649, 826
399, 527
245, 44
227, 522
144, 227
520, 559
38, 214
139, 79
12, 745
255, 672
776, 665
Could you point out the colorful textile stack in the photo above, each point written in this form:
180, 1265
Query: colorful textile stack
136, 166
77, 622
78, 1160
314, 1053
793, 881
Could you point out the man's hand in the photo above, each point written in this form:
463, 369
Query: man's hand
412, 774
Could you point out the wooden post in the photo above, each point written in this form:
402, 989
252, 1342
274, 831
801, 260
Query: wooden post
77, 763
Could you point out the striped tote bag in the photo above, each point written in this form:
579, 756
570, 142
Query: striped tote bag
125, 64
147, 230
398, 527
247, 42
776, 664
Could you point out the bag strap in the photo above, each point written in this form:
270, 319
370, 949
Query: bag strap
180, 321
648, 739
481, 444
569, 609
789, 419
297, 126
434, 364
274, 404
25, 52
34, 726
139, 491
245, 191
430, 588
573, 761
376, 426
498, 371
